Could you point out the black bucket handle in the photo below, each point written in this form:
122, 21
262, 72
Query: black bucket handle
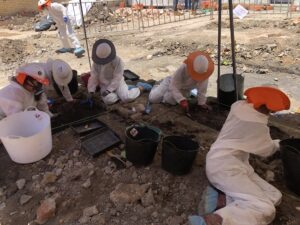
172, 144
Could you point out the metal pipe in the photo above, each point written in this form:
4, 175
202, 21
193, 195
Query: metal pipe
85, 36
233, 46
219, 46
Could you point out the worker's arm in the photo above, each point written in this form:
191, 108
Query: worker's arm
176, 82
42, 105
66, 93
117, 75
202, 89
93, 81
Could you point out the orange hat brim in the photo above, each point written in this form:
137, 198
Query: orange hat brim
274, 99
190, 67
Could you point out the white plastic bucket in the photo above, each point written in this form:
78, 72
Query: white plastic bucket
26, 136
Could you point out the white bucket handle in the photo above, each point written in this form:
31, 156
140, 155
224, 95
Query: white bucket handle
31, 108
14, 137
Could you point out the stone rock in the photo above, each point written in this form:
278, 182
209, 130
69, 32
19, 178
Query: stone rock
51, 162
84, 220
24, 199
174, 220
298, 208
49, 178
148, 199
149, 57
270, 47
58, 172
98, 219
21, 183
76, 153
270, 176
163, 69
45, 211
2, 206
136, 116
262, 71
87, 183
275, 79
90, 211
139, 108
127, 193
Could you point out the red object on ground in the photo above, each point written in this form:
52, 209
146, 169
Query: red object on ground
85, 78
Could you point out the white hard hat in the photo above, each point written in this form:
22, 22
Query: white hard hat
103, 50
62, 72
200, 64
35, 71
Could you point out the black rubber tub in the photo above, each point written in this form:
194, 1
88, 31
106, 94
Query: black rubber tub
178, 154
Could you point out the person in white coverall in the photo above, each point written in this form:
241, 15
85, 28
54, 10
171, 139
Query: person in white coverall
250, 200
61, 78
25, 90
60, 17
107, 73
193, 73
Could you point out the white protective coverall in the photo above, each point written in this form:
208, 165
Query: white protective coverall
110, 78
173, 89
50, 89
14, 98
250, 200
65, 30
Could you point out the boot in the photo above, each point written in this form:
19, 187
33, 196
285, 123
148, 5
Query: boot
79, 51
211, 200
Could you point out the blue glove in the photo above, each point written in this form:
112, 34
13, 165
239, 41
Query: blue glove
146, 86
65, 19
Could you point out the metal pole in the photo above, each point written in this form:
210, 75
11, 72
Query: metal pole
84, 30
233, 46
219, 46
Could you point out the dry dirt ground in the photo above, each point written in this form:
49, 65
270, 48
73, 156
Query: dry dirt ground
267, 52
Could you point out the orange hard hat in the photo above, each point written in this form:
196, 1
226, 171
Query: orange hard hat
273, 98
199, 65
43, 3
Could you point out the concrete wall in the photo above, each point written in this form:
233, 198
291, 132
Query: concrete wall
12, 7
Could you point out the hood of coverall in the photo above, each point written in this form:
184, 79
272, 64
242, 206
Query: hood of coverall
274, 99
62, 72
199, 65
103, 52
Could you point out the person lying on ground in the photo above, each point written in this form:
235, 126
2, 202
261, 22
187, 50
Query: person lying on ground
24, 90
59, 14
107, 73
238, 195
193, 73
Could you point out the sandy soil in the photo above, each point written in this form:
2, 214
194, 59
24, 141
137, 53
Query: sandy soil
267, 52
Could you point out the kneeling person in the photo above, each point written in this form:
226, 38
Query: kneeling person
193, 73
107, 73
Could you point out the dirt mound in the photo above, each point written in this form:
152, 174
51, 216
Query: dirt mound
254, 24
12, 51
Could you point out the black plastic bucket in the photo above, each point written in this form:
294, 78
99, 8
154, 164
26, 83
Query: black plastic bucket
141, 143
227, 94
178, 154
73, 85
290, 151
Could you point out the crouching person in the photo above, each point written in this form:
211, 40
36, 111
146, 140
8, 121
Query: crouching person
107, 73
193, 73
25, 90
239, 195
62, 81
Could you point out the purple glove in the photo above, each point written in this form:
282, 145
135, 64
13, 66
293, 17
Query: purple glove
65, 19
